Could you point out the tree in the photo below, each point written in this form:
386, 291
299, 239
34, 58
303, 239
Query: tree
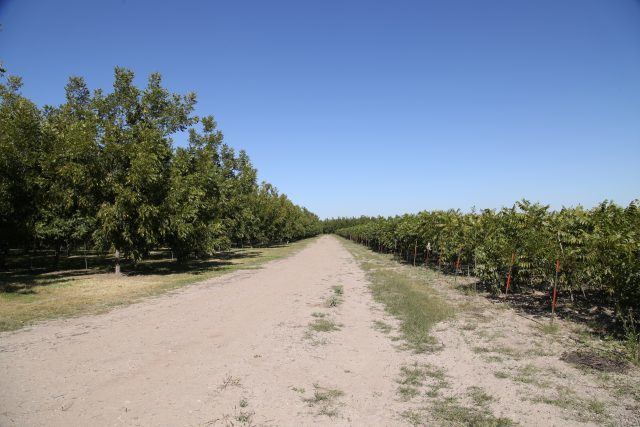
134, 135
192, 212
68, 181
20, 145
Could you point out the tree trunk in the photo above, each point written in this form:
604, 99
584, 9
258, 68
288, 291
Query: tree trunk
56, 260
86, 264
117, 259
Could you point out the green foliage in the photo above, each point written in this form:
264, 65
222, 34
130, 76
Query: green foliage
597, 249
100, 170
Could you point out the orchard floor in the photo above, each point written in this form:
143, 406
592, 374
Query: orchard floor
300, 342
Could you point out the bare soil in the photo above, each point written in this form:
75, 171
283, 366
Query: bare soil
298, 342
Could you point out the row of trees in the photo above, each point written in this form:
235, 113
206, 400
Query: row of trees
101, 171
590, 249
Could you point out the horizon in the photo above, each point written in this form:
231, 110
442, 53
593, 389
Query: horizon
376, 110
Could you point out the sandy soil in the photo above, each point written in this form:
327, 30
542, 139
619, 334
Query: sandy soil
239, 350
229, 351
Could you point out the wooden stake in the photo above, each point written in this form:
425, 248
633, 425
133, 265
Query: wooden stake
513, 258
555, 289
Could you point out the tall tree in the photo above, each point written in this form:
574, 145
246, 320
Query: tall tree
20, 143
68, 182
134, 135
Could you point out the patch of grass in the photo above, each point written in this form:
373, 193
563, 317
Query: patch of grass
530, 374
412, 377
300, 390
502, 350
413, 417
47, 295
383, 327
582, 409
550, 328
243, 403
449, 412
318, 314
324, 325
405, 294
333, 301
407, 392
479, 396
244, 417
338, 290
469, 326
501, 374
326, 399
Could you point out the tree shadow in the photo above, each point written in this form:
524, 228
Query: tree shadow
22, 280
593, 309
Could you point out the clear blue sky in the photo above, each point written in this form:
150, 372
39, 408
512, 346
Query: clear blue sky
362, 107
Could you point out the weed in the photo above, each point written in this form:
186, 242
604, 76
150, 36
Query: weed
333, 301
413, 417
324, 325
230, 381
449, 411
382, 326
479, 396
407, 392
326, 399
550, 328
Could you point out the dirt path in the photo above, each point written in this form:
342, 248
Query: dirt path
296, 343
230, 351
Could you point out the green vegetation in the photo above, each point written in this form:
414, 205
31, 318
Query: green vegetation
596, 250
325, 399
100, 172
322, 324
449, 412
407, 295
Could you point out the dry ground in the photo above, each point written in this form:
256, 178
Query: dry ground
303, 342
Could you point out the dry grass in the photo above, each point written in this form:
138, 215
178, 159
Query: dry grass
69, 293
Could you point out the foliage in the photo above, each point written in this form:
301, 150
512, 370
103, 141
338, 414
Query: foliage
596, 250
101, 171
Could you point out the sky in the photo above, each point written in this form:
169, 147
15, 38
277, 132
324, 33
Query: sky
375, 108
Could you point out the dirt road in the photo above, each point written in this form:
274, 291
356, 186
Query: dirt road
230, 351
301, 342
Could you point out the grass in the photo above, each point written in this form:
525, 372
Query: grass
324, 325
333, 301
36, 297
406, 294
414, 418
325, 399
381, 326
413, 377
449, 412
583, 409
549, 328
499, 349
479, 396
